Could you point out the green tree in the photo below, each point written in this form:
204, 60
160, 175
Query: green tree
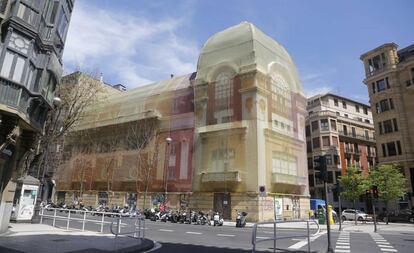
390, 182
353, 185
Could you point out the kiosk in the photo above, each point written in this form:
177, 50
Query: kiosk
25, 198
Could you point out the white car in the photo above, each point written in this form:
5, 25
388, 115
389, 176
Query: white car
349, 214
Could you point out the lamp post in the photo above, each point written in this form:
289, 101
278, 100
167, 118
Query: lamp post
42, 171
168, 141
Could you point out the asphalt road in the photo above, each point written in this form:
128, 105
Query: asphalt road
198, 238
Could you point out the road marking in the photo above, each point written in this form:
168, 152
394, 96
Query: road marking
226, 235
165, 230
389, 250
302, 243
343, 243
386, 246
262, 237
382, 243
342, 250
194, 233
342, 247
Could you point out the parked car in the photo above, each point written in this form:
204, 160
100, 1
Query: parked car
349, 214
402, 216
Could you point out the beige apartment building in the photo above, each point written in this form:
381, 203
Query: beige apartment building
389, 76
341, 129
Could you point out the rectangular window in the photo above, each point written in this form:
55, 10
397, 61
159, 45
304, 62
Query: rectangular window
346, 115
387, 124
328, 159
353, 132
335, 141
316, 142
27, 14
13, 66
325, 141
367, 121
382, 84
315, 126
384, 105
394, 121
356, 108
399, 148
366, 110
345, 130
344, 104
307, 130
380, 128
333, 125
384, 151
324, 125
7, 64
391, 148
366, 135
336, 102
309, 146
62, 24
373, 87
18, 70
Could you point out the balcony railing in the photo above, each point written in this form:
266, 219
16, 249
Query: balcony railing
228, 176
288, 179
356, 136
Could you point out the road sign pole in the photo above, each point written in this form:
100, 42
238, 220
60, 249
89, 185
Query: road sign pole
328, 225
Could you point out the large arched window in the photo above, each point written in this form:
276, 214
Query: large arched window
224, 91
281, 100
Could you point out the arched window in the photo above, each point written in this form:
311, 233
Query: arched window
224, 91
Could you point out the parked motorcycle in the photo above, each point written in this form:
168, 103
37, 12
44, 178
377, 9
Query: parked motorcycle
241, 219
217, 220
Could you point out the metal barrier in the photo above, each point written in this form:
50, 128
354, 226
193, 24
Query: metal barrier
84, 219
139, 227
275, 238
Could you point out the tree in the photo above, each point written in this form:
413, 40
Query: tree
353, 185
141, 137
390, 182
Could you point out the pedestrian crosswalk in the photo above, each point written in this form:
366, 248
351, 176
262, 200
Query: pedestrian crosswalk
382, 243
343, 242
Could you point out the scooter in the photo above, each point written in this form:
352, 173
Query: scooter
241, 219
218, 221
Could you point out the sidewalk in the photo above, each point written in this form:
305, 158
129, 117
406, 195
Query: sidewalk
23, 237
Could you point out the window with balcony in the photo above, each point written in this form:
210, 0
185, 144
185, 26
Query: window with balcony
353, 131
324, 125
345, 130
316, 142
13, 66
222, 159
284, 163
315, 126
328, 159
325, 141
377, 62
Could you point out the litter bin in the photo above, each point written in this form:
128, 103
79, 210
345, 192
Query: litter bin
321, 216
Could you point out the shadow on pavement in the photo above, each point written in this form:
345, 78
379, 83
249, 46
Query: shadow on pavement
62, 243
184, 248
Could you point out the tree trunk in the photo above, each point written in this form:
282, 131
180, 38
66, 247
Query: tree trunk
355, 217
387, 214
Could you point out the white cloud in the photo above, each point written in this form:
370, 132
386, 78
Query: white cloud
131, 50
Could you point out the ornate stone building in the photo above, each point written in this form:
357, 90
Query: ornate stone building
33, 37
235, 125
389, 77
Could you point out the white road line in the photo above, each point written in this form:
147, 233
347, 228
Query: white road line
166, 230
343, 243
342, 250
262, 237
385, 246
380, 243
389, 250
302, 243
226, 235
342, 247
194, 233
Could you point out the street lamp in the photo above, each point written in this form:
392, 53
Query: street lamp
168, 140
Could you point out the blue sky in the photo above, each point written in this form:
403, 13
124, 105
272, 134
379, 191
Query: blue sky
135, 42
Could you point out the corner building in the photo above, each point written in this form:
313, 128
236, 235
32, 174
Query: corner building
389, 77
245, 128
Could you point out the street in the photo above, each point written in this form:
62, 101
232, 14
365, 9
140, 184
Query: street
197, 238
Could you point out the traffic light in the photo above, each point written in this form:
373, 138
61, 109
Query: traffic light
375, 191
319, 165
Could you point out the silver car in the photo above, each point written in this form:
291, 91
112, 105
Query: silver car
349, 214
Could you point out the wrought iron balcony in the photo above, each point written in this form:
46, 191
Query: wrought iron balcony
288, 179
228, 176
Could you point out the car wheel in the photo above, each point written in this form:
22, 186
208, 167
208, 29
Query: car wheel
360, 219
343, 218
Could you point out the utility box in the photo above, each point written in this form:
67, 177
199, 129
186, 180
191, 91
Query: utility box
25, 198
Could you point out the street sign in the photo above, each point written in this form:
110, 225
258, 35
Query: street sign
262, 191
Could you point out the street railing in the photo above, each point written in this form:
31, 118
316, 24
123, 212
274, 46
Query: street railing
84, 218
255, 240
138, 227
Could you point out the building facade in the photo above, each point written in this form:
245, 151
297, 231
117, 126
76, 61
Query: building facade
343, 131
389, 77
32, 41
223, 132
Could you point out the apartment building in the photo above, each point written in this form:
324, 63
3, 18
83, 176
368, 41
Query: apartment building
33, 35
389, 77
341, 129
